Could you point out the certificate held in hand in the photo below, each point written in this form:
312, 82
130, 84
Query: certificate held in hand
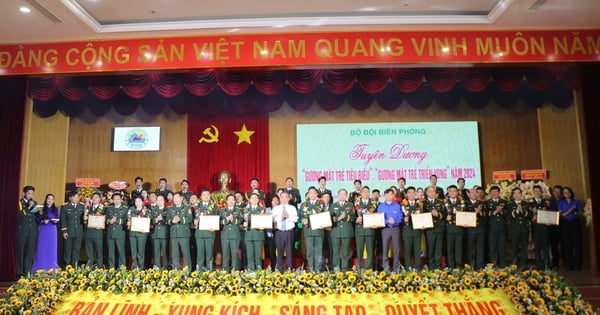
208, 223
548, 217
466, 219
320, 221
261, 222
96, 222
140, 224
373, 220
422, 221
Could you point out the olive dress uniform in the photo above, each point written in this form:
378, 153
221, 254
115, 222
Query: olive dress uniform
162, 192
159, 235
71, 222
115, 235
94, 239
364, 238
230, 236
341, 234
205, 240
26, 237
134, 194
137, 240
518, 230
476, 235
321, 192
497, 231
313, 239
412, 237
454, 234
180, 234
186, 195
541, 234
435, 235
253, 238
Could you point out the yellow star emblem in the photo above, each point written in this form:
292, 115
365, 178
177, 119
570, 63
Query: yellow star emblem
244, 135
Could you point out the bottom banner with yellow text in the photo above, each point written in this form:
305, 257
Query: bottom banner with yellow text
482, 301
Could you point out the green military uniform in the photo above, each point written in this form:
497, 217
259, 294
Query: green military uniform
341, 233
205, 240
354, 197
364, 238
186, 195
159, 235
295, 197
435, 235
313, 239
162, 192
115, 235
253, 238
321, 192
327, 246
496, 231
26, 236
243, 263
541, 234
71, 222
180, 234
261, 194
94, 239
412, 237
454, 233
230, 236
137, 240
518, 231
476, 235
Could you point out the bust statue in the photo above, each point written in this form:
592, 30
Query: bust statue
219, 195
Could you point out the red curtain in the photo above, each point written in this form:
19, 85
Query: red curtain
12, 109
206, 159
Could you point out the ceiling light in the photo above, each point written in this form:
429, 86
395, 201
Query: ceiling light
25, 9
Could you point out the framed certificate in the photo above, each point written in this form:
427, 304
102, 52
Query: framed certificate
466, 219
373, 220
209, 223
320, 221
261, 222
548, 217
96, 222
422, 221
140, 224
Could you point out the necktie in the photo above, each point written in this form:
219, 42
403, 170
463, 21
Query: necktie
283, 223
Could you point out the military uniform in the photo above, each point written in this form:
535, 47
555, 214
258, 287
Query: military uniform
135, 194
94, 239
364, 238
261, 194
412, 237
497, 231
159, 235
230, 236
454, 233
186, 195
180, 234
341, 233
137, 240
162, 192
519, 231
253, 238
71, 222
205, 240
313, 239
541, 234
321, 192
476, 235
435, 235
26, 237
354, 197
295, 197
115, 235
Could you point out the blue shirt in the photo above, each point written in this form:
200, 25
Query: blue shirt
564, 206
391, 210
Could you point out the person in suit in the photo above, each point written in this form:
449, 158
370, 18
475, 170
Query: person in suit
323, 187
26, 231
162, 188
160, 232
254, 188
185, 192
294, 193
313, 239
94, 237
137, 192
454, 233
519, 214
71, 223
540, 231
137, 240
475, 235
230, 233
355, 195
343, 217
412, 237
116, 216
435, 235
179, 217
438, 190
497, 219
285, 217
205, 239
253, 237
364, 237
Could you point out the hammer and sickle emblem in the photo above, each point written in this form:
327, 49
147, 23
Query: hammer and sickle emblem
211, 135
